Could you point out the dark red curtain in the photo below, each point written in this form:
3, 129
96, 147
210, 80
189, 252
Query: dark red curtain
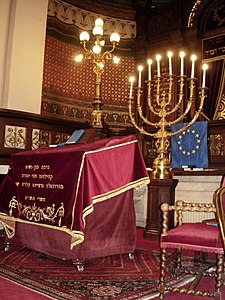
213, 82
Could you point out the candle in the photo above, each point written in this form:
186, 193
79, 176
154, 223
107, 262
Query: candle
158, 57
149, 61
182, 55
131, 85
204, 68
170, 54
140, 68
193, 59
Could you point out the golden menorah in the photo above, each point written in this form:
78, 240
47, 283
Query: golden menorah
160, 92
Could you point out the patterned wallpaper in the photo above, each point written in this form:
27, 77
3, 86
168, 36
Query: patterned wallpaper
66, 78
67, 81
68, 87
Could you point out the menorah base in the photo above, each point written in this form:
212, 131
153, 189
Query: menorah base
159, 173
161, 168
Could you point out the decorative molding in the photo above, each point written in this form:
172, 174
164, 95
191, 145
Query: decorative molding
80, 111
35, 141
84, 19
193, 13
220, 114
216, 146
220, 109
15, 137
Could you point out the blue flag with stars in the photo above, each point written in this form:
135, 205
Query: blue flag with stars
190, 146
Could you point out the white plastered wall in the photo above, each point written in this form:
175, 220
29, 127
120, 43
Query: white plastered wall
23, 30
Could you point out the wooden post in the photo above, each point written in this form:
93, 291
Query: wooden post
159, 191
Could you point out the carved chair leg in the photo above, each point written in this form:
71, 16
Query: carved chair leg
178, 262
223, 277
219, 276
162, 273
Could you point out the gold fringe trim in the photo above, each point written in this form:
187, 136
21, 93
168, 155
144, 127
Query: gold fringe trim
99, 198
77, 237
9, 230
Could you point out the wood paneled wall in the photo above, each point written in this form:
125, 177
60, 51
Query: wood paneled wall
21, 131
216, 146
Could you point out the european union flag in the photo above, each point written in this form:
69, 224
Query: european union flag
190, 146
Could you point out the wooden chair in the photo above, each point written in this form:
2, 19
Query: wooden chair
197, 237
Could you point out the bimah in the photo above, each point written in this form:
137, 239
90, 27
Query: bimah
74, 201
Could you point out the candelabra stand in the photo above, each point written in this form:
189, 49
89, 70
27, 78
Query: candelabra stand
160, 95
163, 95
98, 58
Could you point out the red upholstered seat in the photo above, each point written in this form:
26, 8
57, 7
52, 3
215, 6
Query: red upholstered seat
194, 236
198, 237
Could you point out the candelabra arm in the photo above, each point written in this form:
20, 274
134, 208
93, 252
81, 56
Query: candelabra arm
181, 97
202, 96
189, 103
89, 53
158, 91
139, 109
156, 124
108, 53
170, 92
149, 84
141, 129
181, 117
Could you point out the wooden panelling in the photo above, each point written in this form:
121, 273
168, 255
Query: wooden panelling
21, 131
216, 146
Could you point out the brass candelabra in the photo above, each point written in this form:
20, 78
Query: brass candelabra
160, 92
99, 59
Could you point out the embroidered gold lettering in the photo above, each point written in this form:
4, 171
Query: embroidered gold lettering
30, 198
25, 175
25, 184
45, 167
54, 186
46, 176
38, 185
41, 199
31, 167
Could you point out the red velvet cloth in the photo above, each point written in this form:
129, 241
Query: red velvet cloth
194, 236
110, 229
65, 183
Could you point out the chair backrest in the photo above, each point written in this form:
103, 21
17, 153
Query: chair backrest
219, 201
222, 182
